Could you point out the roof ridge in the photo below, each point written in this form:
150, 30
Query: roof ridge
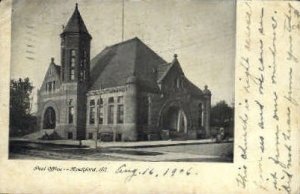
123, 42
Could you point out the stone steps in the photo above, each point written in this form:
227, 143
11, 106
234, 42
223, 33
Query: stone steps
38, 134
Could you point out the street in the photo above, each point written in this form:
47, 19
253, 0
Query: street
202, 152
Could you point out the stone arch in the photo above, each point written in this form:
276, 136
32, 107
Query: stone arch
175, 116
50, 106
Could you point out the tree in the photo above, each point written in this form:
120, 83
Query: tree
222, 115
20, 120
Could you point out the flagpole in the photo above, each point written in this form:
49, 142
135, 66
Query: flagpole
123, 5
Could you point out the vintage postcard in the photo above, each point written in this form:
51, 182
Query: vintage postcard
150, 96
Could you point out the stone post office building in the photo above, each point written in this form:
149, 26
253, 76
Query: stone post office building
126, 92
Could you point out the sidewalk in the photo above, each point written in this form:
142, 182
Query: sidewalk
138, 144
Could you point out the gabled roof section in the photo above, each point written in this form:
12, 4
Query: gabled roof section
76, 24
116, 63
165, 69
54, 75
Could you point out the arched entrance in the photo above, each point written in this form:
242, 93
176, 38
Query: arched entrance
49, 118
174, 119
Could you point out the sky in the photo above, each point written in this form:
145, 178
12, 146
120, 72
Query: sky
200, 32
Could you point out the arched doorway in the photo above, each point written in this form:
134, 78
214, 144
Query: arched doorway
174, 119
49, 118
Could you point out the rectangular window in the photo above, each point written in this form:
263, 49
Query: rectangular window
70, 135
120, 115
92, 111
71, 114
53, 85
110, 119
111, 100
120, 99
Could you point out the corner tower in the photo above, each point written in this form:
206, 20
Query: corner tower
75, 74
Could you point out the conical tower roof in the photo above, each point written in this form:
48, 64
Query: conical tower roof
76, 24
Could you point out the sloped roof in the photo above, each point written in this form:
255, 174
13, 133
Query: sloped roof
76, 24
116, 63
164, 69
195, 91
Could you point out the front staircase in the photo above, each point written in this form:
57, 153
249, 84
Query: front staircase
39, 134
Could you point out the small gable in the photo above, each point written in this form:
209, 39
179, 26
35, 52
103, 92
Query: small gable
52, 79
174, 80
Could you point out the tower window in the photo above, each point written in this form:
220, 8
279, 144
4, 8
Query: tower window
72, 74
72, 65
71, 114
71, 111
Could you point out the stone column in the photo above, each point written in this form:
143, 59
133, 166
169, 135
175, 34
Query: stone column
130, 119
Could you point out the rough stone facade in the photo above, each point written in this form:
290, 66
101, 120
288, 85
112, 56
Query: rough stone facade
125, 93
